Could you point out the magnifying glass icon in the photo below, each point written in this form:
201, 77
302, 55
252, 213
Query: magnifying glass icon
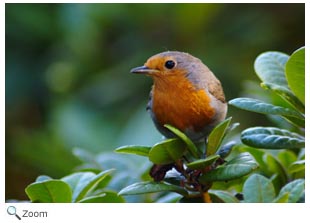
12, 211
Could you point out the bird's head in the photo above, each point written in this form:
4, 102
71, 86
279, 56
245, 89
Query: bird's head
167, 64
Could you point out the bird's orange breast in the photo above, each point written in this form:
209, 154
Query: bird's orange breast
177, 102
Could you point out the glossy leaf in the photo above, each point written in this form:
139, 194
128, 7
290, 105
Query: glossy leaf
232, 127
301, 154
151, 187
287, 157
280, 176
191, 146
295, 73
169, 198
235, 168
272, 138
259, 158
286, 94
42, 178
106, 197
49, 191
83, 182
225, 150
224, 196
258, 106
167, 151
216, 136
297, 166
136, 150
270, 67
282, 199
202, 163
295, 121
258, 189
296, 190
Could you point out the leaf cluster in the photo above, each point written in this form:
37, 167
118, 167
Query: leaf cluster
279, 151
79, 187
192, 170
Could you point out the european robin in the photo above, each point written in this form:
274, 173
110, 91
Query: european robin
186, 94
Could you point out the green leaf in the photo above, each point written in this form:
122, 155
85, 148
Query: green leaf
151, 187
169, 198
49, 191
258, 189
275, 166
296, 190
301, 154
270, 68
282, 199
191, 146
259, 158
287, 157
167, 151
137, 150
258, 106
295, 73
232, 127
202, 163
216, 136
83, 182
224, 196
295, 121
43, 178
286, 94
297, 166
280, 176
239, 166
106, 197
272, 138
225, 150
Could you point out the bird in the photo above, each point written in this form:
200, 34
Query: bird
185, 94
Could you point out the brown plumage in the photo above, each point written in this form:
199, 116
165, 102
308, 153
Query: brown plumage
185, 94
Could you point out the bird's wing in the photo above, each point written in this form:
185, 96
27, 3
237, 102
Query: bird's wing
215, 88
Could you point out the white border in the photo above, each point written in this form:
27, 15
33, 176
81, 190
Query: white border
154, 1
155, 212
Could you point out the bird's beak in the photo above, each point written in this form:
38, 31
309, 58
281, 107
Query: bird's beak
143, 70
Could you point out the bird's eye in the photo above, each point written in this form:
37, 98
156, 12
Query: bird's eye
170, 64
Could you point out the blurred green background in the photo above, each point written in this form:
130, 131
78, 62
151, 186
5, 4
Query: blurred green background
67, 72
